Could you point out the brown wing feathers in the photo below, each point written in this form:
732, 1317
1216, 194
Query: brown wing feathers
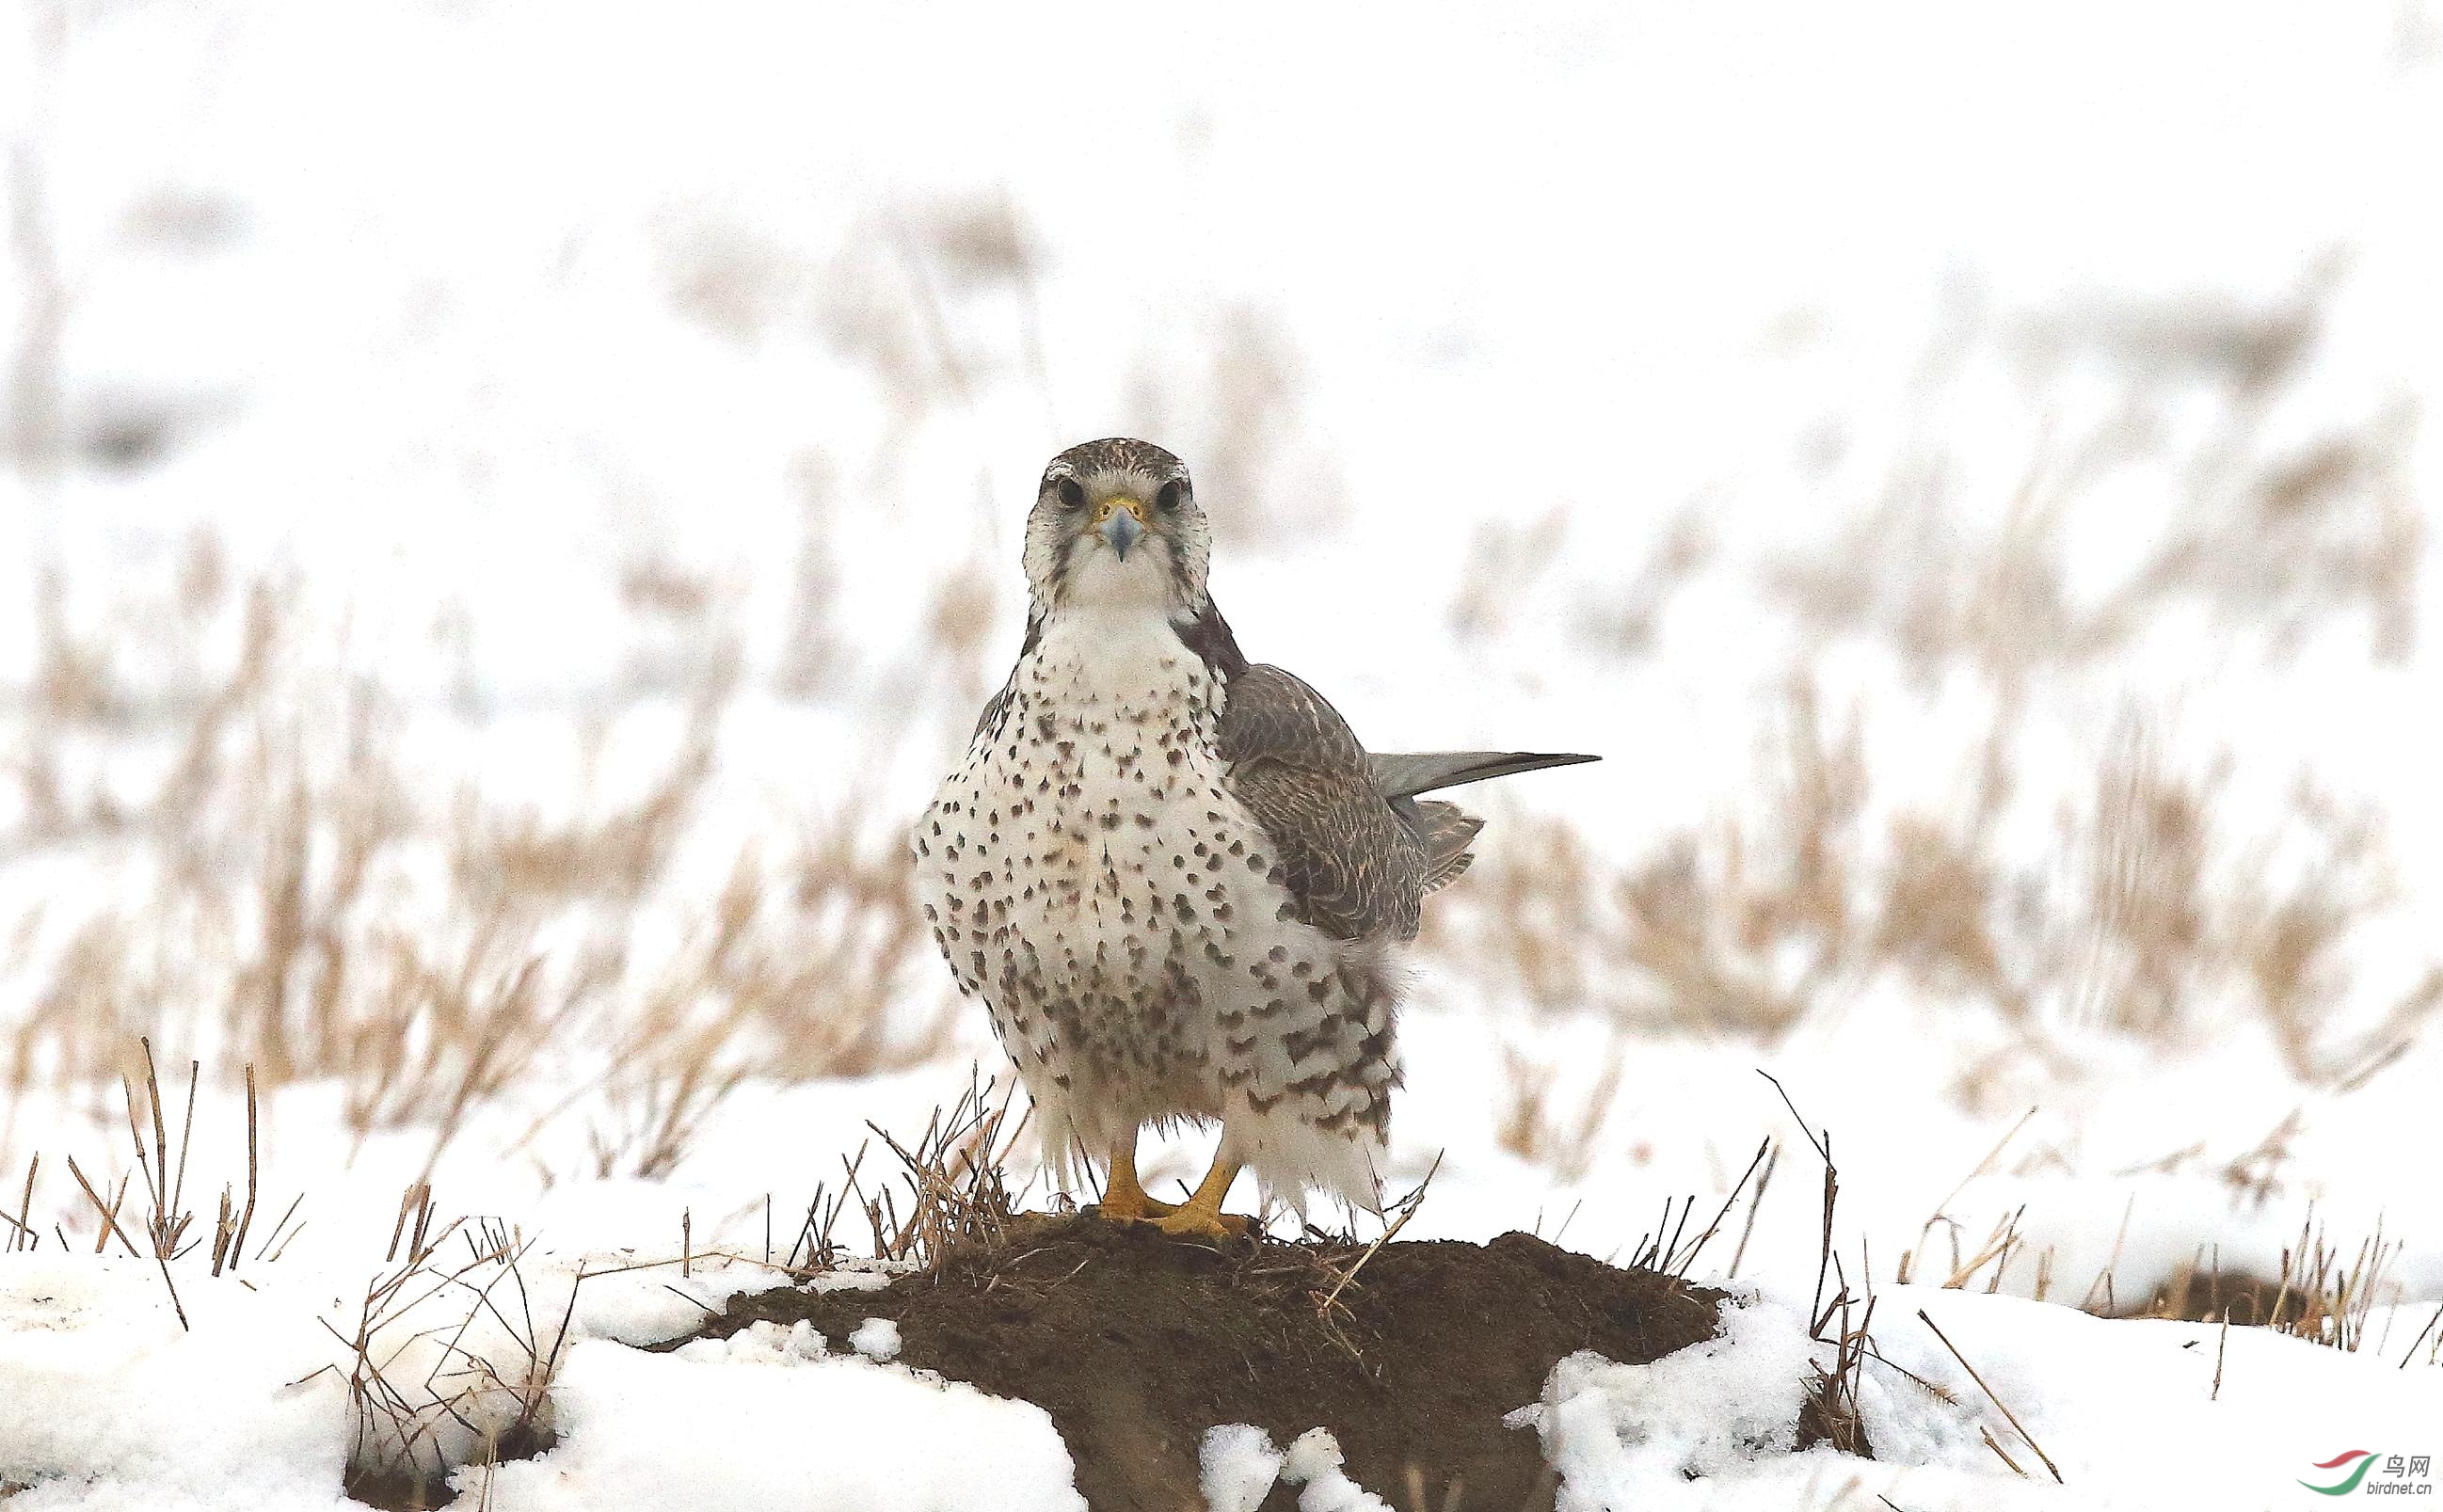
1354, 849
1353, 868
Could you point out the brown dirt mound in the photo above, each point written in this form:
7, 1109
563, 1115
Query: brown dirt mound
1136, 1345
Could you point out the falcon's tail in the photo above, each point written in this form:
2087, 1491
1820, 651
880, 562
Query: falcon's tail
1406, 774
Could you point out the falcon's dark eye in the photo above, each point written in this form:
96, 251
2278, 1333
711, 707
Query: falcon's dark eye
1072, 496
1174, 494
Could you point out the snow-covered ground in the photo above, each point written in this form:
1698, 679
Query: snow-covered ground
2039, 392
111, 1404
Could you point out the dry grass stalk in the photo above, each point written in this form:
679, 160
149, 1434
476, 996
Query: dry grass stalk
2222, 1341
817, 1245
2099, 1294
2425, 1332
162, 1165
955, 1173
1755, 1203
21, 1233
1999, 1248
2012, 1417
109, 1212
166, 1225
1679, 1259
2324, 1297
228, 1235
1400, 1212
1822, 1142
1831, 1411
2319, 1293
2001, 1453
408, 1420
1941, 1210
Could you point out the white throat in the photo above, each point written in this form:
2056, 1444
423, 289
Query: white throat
1125, 650
1103, 582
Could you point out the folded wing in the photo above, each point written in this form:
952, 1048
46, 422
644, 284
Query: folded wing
1357, 850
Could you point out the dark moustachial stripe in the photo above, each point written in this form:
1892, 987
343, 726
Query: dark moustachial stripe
1208, 635
999, 702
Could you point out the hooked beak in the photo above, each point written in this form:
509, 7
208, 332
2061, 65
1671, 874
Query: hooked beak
1119, 522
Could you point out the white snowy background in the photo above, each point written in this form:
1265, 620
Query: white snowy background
508, 509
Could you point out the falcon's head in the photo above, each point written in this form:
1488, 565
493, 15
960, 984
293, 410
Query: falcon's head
1115, 525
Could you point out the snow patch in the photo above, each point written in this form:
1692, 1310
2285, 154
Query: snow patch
1315, 1462
106, 1402
876, 1339
1614, 1430
679, 1433
1237, 1465
761, 1343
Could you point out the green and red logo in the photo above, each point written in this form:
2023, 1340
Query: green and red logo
2358, 1459
2398, 1475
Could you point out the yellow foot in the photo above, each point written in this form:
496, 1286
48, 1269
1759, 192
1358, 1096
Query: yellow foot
1192, 1222
1115, 1209
1199, 1218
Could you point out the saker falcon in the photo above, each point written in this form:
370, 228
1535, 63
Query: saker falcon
1175, 878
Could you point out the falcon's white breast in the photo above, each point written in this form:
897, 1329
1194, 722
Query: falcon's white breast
1088, 873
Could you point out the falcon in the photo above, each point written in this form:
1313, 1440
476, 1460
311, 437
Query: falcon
1174, 877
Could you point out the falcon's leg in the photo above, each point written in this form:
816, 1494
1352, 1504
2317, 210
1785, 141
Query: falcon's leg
1124, 1199
1200, 1215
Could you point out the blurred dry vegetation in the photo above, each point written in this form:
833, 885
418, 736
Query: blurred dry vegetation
2160, 912
283, 886
1751, 923
2274, 534
319, 909
266, 869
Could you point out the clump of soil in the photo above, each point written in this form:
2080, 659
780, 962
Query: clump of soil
2205, 1297
416, 1486
1136, 1345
